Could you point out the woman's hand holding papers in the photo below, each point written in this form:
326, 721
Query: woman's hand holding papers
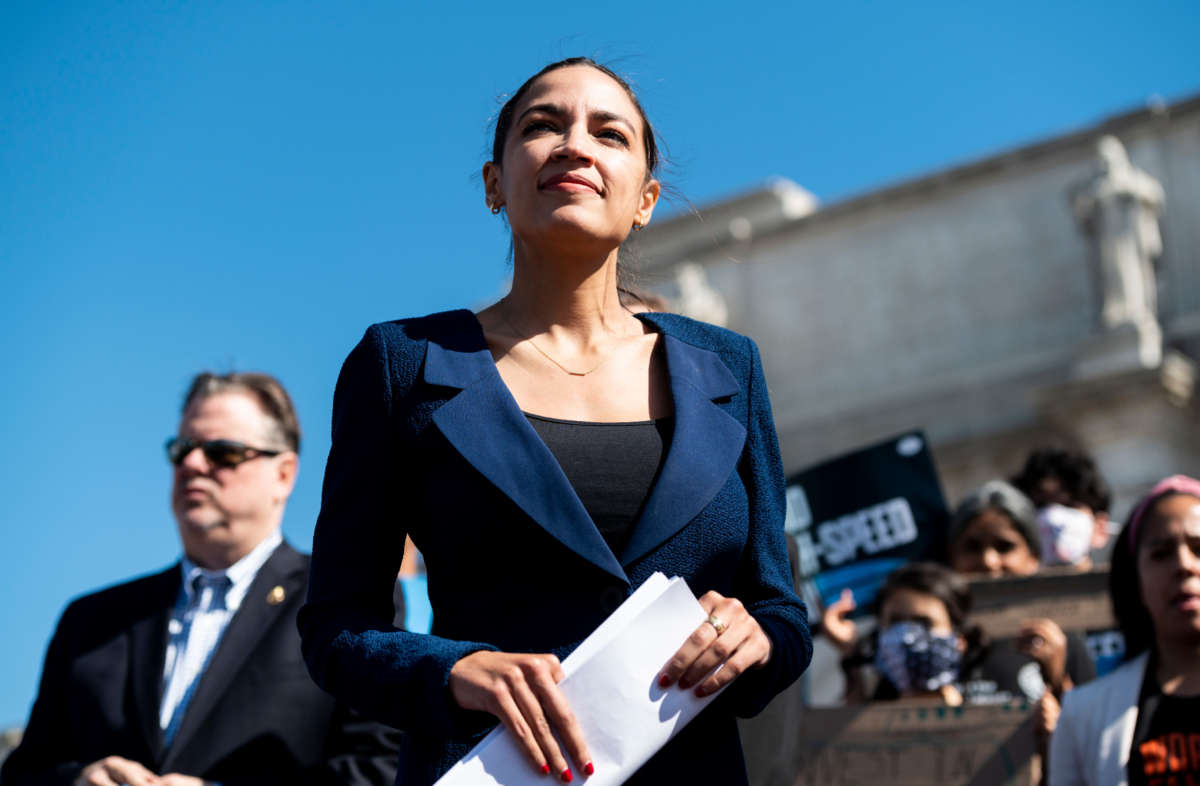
522, 691
739, 644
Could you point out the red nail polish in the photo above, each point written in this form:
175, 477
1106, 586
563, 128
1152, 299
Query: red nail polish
545, 769
663, 680
567, 777
589, 769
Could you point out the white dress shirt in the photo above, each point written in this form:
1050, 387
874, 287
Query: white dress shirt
197, 623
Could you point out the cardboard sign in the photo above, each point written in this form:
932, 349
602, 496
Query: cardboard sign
902, 743
1078, 602
853, 520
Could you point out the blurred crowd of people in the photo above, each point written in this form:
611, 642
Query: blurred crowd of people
1137, 724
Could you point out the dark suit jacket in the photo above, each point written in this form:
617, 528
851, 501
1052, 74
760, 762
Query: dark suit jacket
255, 717
427, 440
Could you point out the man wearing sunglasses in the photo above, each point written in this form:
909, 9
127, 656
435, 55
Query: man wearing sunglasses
194, 676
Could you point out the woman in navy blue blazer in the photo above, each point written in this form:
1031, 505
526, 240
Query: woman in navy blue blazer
547, 455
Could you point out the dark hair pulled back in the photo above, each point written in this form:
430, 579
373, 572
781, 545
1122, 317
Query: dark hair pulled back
504, 120
627, 286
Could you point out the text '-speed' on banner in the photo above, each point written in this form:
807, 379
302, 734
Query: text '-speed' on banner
854, 519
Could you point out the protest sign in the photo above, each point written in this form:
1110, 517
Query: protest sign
1076, 601
901, 743
855, 519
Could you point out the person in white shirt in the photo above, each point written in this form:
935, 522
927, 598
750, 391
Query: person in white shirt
1140, 724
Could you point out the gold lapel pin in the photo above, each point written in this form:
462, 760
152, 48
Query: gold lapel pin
276, 595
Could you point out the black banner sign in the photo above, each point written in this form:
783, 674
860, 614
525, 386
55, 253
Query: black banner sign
856, 518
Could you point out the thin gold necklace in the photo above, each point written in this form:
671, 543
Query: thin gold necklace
544, 354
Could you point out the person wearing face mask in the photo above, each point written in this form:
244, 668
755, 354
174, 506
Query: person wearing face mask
1141, 724
1072, 501
924, 645
994, 534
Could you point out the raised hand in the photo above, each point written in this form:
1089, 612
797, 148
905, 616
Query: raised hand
837, 625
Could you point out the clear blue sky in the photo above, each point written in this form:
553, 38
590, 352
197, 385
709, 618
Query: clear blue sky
247, 185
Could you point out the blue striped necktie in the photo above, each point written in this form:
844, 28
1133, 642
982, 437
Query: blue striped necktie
200, 639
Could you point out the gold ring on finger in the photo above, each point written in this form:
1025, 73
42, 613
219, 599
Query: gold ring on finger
718, 624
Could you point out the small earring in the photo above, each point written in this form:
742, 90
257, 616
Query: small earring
637, 227
495, 208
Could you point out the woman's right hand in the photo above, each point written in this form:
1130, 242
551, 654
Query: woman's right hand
522, 691
838, 627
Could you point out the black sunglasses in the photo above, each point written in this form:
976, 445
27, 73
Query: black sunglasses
219, 452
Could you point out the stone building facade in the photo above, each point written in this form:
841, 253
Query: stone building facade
969, 303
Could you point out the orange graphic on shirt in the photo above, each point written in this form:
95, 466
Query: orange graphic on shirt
1169, 755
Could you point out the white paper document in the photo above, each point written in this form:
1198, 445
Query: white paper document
611, 684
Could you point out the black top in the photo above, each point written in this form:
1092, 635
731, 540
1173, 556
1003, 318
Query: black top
1166, 740
611, 466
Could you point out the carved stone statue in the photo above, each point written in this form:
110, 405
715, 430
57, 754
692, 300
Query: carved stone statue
1119, 209
697, 298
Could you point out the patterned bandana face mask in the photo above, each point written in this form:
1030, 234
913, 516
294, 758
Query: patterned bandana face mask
913, 659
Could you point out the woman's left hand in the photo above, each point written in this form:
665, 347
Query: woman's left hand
740, 644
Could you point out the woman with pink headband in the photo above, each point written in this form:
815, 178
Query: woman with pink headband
1141, 723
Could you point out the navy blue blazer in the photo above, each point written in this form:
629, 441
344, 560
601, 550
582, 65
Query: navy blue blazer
428, 441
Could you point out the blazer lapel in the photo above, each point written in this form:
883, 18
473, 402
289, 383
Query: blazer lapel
705, 446
250, 623
485, 425
148, 646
